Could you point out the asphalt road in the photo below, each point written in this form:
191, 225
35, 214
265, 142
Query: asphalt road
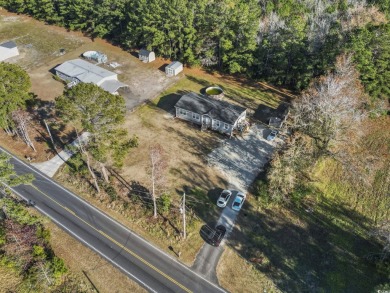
153, 269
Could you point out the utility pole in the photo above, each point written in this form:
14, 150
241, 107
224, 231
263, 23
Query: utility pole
183, 211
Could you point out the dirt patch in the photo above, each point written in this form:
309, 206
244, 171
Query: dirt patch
19, 148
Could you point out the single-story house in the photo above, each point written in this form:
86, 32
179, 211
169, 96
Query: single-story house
210, 113
77, 70
174, 68
8, 50
146, 56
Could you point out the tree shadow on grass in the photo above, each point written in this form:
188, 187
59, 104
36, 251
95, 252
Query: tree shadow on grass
320, 250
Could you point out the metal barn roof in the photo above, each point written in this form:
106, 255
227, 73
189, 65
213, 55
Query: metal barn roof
84, 71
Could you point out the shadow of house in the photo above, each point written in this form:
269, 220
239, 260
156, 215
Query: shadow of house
53, 69
168, 102
162, 67
264, 113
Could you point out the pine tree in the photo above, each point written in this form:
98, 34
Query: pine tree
14, 92
8, 176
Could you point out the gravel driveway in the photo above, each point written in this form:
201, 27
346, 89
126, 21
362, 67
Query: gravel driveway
240, 159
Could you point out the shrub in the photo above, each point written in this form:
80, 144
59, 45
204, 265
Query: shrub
43, 233
111, 192
165, 203
58, 268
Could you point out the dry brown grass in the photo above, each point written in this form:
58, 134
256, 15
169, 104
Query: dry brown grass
237, 275
8, 280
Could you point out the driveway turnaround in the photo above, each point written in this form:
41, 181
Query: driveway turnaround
153, 269
241, 159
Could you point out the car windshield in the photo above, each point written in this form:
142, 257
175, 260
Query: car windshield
224, 194
236, 203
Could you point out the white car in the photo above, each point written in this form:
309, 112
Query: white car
224, 198
272, 135
238, 201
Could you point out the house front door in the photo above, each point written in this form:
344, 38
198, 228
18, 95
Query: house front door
206, 121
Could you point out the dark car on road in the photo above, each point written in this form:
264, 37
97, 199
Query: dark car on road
213, 236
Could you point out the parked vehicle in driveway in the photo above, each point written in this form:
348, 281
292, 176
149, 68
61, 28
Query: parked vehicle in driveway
272, 135
224, 198
216, 235
238, 201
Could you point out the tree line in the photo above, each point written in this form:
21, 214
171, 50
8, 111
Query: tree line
283, 42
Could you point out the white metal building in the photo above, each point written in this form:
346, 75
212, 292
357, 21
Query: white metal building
8, 50
77, 70
174, 68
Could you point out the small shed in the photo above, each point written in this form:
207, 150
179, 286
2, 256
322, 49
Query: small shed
174, 68
8, 50
146, 56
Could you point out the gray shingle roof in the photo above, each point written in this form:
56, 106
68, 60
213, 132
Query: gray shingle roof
219, 110
8, 45
174, 65
84, 71
144, 52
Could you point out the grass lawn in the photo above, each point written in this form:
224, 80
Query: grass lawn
324, 243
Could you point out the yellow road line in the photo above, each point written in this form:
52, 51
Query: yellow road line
117, 243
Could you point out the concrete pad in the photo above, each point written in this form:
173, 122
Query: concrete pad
51, 167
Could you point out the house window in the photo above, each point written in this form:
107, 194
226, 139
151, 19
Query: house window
195, 116
217, 123
226, 126
183, 112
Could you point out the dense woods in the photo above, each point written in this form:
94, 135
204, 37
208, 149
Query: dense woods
283, 42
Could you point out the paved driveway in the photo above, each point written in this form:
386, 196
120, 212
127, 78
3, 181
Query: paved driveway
240, 159
207, 259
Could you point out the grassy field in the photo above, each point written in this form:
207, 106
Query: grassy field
238, 275
322, 244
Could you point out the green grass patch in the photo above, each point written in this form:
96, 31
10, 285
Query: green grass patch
246, 94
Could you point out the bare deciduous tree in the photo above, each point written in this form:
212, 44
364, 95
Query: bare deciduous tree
22, 122
156, 171
288, 167
20, 239
88, 161
331, 106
